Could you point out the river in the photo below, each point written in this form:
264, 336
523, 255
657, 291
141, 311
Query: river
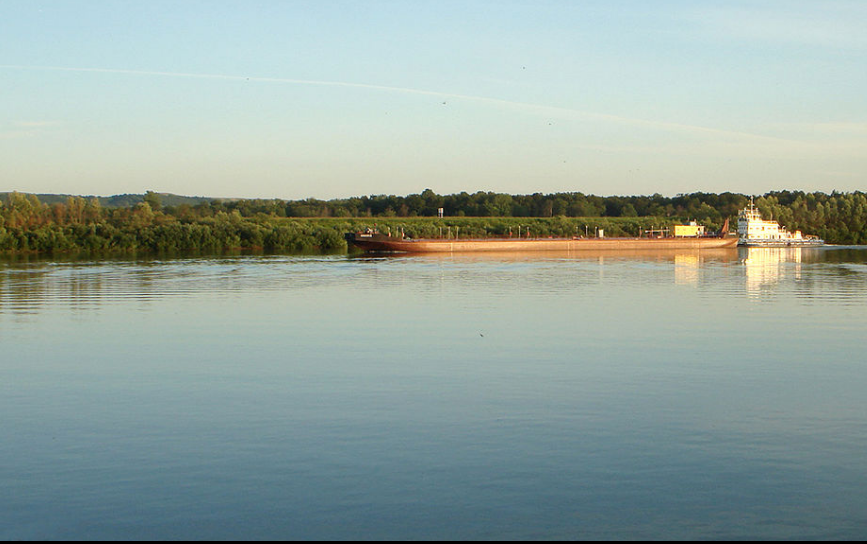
715, 395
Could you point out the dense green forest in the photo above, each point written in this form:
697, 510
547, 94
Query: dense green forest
161, 223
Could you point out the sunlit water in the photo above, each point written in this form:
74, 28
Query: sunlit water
685, 395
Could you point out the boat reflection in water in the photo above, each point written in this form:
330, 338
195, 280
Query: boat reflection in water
767, 266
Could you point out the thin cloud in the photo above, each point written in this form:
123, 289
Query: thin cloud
548, 111
823, 24
24, 129
35, 124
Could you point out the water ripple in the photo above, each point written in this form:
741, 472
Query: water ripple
834, 276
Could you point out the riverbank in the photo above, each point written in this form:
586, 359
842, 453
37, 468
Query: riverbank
164, 233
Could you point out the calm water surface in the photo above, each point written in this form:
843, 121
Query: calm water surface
677, 396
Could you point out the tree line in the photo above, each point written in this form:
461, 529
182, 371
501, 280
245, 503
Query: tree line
146, 224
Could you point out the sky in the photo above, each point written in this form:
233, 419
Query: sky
331, 99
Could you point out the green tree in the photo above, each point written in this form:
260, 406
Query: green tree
153, 200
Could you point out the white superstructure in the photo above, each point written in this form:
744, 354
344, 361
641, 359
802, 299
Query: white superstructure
755, 231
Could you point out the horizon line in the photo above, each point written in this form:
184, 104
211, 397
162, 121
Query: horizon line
554, 193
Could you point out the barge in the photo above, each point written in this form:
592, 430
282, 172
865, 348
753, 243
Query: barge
374, 241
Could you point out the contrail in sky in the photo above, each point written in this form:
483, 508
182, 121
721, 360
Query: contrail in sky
553, 111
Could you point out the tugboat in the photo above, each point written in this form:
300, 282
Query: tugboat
753, 231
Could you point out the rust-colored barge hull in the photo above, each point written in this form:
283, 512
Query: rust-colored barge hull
381, 243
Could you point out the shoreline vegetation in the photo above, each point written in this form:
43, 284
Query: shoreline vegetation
161, 223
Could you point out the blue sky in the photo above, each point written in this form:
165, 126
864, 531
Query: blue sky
327, 99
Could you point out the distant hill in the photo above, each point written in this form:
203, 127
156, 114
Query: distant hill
119, 201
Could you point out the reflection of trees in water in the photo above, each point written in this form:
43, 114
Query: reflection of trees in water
29, 285
23, 290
